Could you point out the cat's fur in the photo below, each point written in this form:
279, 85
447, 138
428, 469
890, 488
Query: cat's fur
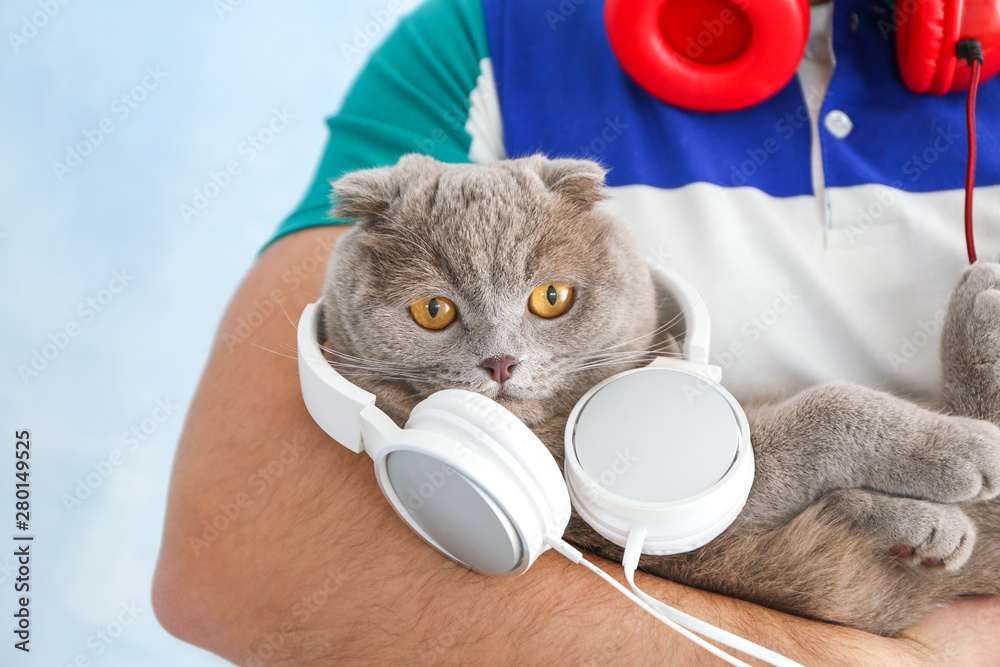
866, 509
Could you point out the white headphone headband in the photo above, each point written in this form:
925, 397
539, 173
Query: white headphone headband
697, 331
332, 400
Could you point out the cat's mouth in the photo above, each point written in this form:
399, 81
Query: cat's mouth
507, 395
529, 410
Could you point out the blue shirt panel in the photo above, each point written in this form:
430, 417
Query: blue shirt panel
562, 92
912, 141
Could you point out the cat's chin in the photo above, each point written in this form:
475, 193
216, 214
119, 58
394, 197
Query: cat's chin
530, 411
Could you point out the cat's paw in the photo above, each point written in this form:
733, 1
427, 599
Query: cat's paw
925, 535
933, 536
971, 337
961, 460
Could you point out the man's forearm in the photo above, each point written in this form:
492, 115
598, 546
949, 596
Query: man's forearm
278, 546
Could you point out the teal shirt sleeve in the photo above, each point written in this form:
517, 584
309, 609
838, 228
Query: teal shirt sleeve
411, 97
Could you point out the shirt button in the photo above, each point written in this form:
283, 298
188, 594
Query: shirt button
838, 123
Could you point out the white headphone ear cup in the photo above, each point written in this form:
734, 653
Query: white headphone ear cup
492, 430
455, 513
660, 449
512, 433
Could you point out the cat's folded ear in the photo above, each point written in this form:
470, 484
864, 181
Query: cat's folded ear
580, 182
365, 195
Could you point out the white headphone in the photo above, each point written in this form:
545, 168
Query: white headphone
663, 448
657, 460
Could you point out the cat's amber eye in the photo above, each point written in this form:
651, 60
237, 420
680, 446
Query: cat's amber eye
436, 312
550, 300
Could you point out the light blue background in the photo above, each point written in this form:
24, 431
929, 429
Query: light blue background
226, 72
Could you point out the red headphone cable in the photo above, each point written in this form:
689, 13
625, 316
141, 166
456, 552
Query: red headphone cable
972, 52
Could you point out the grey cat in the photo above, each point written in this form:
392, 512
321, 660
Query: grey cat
506, 279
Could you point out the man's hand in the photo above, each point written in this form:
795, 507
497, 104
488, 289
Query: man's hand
279, 548
963, 633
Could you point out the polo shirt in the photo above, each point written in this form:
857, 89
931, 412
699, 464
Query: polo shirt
822, 227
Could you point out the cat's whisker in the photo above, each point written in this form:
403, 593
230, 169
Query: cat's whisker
665, 350
291, 348
348, 364
595, 363
374, 362
293, 322
382, 372
623, 357
265, 349
363, 372
655, 332
377, 369
628, 342
605, 364
614, 361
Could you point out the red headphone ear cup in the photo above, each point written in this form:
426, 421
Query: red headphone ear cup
923, 32
980, 20
709, 55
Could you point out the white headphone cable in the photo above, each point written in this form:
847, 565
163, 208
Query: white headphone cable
574, 555
630, 561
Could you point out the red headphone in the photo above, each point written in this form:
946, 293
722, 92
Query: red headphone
723, 55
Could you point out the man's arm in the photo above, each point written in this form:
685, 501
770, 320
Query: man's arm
280, 549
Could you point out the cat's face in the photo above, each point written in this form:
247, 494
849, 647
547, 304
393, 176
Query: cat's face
501, 279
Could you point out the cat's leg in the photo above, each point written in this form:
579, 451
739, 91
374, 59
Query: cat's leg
970, 345
929, 536
843, 436
970, 364
828, 568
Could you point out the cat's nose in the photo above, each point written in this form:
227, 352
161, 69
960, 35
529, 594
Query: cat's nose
499, 367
